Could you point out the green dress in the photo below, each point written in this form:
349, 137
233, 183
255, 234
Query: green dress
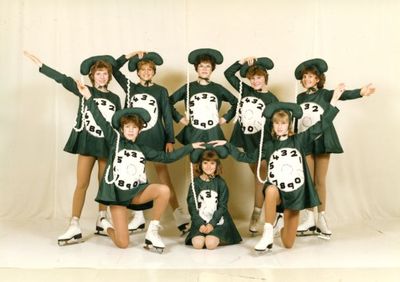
212, 197
313, 106
287, 168
204, 104
125, 173
159, 130
247, 130
86, 138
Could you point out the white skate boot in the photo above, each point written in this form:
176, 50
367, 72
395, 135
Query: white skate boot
255, 216
152, 238
322, 227
278, 224
307, 227
99, 228
267, 239
72, 235
137, 223
182, 220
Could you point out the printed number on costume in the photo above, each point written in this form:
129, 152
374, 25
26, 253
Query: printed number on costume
203, 110
311, 115
129, 169
208, 203
250, 114
106, 108
149, 103
285, 169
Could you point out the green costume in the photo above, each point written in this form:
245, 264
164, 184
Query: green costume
159, 130
125, 174
313, 106
247, 131
212, 198
86, 137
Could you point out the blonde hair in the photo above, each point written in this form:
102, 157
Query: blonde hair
282, 116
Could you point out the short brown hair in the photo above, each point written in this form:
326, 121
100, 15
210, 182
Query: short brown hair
209, 155
131, 118
98, 66
257, 70
314, 70
204, 59
141, 63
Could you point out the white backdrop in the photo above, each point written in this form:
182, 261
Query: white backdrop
358, 39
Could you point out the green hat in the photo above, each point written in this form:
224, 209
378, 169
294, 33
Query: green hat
221, 151
89, 62
294, 108
142, 113
319, 64
150, 56
264, 62
215, 54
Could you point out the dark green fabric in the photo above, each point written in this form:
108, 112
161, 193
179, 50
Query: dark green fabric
263, 62
319, 64
329, 141
110, 194
293, 108
163, 131
89, 62
249, 142
140, 112
189, 133
151, 56
205, 51
226, 232
82, 142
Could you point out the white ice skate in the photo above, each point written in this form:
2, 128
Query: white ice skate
73, 234
104, 224
255, 216
99, 226
322, 227
278, 224
182, 220
267, 239
307, 227
137, 223
152, 238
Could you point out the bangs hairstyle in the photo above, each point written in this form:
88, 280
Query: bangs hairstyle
257, 70
131, 118
209, 155
282, 116
142, 63
204, 59
99, 65
314, 70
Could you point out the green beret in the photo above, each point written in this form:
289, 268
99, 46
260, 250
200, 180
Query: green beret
150, 56
142, 113
264, 62
89, 62
294, 108
320, 65
215, 54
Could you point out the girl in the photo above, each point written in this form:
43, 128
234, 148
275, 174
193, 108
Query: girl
125, 183
254, 98
314, 101
86, 139
203, 99
289, 183
159, 132
212, 224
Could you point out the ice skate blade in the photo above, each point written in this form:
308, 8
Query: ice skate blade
71, 241
268, 249
138, 229
100, 231
324, 236
149, 246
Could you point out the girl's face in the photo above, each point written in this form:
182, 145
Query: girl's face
309, 80
204, 70
209, 167
281, 127
257, 82
101, 78
130, 131
146, 72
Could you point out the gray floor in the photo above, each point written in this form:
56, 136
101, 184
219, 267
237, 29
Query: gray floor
366, 251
